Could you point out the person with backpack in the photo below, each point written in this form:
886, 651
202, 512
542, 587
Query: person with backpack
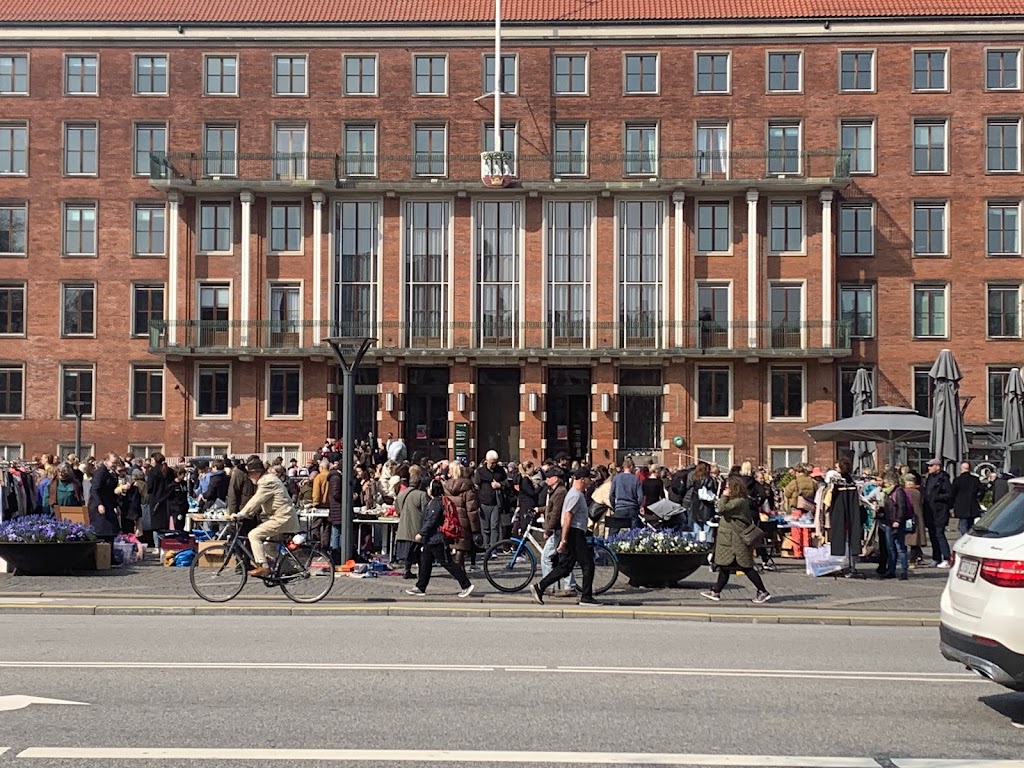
440, 526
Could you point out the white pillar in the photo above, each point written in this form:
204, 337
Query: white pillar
173, 200
753, 278
827, 279
246, 272
318, 217
678, 198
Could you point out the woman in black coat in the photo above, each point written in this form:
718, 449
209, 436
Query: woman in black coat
103, 501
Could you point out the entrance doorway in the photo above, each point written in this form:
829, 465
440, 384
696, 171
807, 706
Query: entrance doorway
426, 413
497, 412
567, 429
365, 424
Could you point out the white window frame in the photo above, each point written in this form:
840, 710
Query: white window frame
1004, 120
344, 75
145, 125
698, 448
712, 200
13, 451
296, 170
569, 124
929, 204
873, 288
714, 171
998, 370
28, 73
657, 73
64, 74
337, 257
212, 449
12, 124
784, 123
216, 284
586, 73
913, 301
163, 392
768, 73
803, 392
13, 365
445, 283
91, 416
66, 448
199, 225
788, 448
8, 285
1020, 308
730, 313
515, 73
84, 205
930, 121
415, 152
287, 451
271, 320
514, 149
868, 122
305, 78
874, 70
144, 450
1003, 49
135, 285
787, 283
151, 205
286, 201
431, 55
641, 125
206, 65
855, 205
802, 202
375, 152
135, 73
696, 393
95, 308
696, 73
266, 408
221, 125
989, 204
23, 205
231, 384
945, 69
83, 125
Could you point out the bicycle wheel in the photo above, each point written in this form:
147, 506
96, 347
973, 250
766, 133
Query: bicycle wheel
510, 565
217, 576
306, 574
606, 569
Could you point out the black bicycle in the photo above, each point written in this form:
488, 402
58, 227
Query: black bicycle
218, 573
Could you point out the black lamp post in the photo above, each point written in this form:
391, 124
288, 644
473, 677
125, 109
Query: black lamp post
77, 407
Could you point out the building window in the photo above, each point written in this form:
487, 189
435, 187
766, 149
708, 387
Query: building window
930, 71
641, 73
151, 75
286, 451
80, 149
214, 315
357, 245
426, 269
786, 312
640, 409
784, 459
290, 151
930, 229
857, 230
215, 226
431, 150
717, 456
570, 150
360, 75
221, 75
1002, 70
786, 219
714, 226
1004, 311
857, 310
81, 75
714, 388
856, 71
787, 392
497, 246
12, 309
150, 226
930, 146
213, 390
14, 74
13, 149
641, 149
784, 72
509, 143
77, 390
13, 223
431, 75
923, 390
998, 376
285, 315
147, 306
930, 311
1003, 145
847, 375
80, 229
1004, 229
640, 246
147, 391
78, 306
712, 73
783, 148
361, 150
571, 74
150, 138
713, 150
12, 393
290, 76
714, 313
509, 81
569, 259
211, 449
144, 450
220, 148
286, 227
857, 140
285, 396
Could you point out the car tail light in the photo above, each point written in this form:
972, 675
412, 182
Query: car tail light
1003, 573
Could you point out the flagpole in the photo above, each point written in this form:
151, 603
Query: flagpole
497, 76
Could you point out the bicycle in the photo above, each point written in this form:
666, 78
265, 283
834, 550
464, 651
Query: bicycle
510, 565
304, 572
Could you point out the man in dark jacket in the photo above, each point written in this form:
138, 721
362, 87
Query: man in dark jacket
967, 493
627, 494
554, 480
216, 485
240, 487
335, 495
103, 501
938, 495
491, 481
158, 485
1001, 484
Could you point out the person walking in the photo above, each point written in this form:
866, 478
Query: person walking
554, 479
967, 493
435, 548
410, 503
461, 491
573, 547
731, 552
938, 495
490, 480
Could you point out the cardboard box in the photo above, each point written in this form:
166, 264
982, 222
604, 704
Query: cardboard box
73, 514
206, 561
103, 556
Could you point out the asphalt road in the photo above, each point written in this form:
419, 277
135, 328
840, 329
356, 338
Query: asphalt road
372, 692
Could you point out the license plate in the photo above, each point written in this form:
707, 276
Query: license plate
968, 569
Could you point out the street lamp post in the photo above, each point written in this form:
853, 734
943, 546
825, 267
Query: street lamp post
348, 389
77, 408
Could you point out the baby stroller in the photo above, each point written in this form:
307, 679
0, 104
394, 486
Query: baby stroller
664, 515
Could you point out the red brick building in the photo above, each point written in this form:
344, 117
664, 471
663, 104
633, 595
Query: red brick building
707, 224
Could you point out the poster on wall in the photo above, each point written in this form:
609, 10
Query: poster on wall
421, 431
462, 442
562, 432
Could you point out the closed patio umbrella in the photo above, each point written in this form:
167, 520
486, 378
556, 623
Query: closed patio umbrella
863, 450
1013, 413
949, 441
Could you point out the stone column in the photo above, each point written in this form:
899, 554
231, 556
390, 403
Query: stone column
174, 200
246, 271
318, 217
827, 269
753, 277
678, 199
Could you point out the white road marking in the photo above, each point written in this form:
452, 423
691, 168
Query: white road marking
17, 701
910, 763
3, 749
1017, 725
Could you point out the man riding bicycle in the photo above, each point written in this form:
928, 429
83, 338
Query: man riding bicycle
273, 506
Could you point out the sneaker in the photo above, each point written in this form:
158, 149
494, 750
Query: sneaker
903, 577
929, 564
711, 595
762, 597
769, 567
943, 564
538, 595
588, 601
415, 591
467, 591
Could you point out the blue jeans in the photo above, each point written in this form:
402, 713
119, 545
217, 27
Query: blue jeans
549, 557
964, 524
896, 547
939, 542
704, 528
335, 537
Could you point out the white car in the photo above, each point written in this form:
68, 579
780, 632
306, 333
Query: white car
982, 610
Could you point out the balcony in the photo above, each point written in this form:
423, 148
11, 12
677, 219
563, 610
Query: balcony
779, 170
430, 338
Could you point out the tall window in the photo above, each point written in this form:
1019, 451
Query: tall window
81, 75
857, 229
431, 147
426, 269
1003, 145
569, 256
570, 149
641, 149
930, 229
1004, 311
714, 392
930, 70
785, 307
714, 312
571, 74
857, 309
78, 309
213, 390
13, 149
215, 226
498, 226
998, 376
221, 76
13, 223
356, 248
285, 314
147, 391
783, 148
77, 390
713, 150
290, 151
640, 409
924, 390
12, 309
431, 75
786, 224
80, 229
360, 75
147, 306
12, 396
856, 71
1004, 229
930, 311
509, 142
361, 150
640, 246
787, 392
150, 138
285, 384
641, 73
712, 73
151, 75
507, 78
930, 146
286, 227
14, 74
80, 149
784, 73
857, 139
214, 314
150, 226
220, 144
1002, 70
714, 226
290, 76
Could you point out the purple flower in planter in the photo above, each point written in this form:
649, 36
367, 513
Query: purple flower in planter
43, 529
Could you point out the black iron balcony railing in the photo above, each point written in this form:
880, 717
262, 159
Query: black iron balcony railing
817, 166
637, 334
